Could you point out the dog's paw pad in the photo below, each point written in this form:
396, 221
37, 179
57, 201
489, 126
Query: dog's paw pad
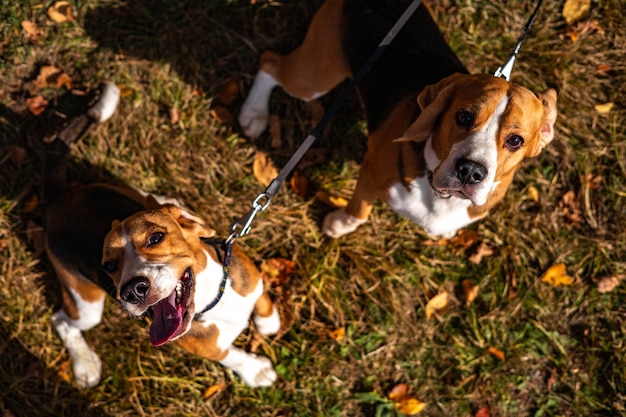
339, 223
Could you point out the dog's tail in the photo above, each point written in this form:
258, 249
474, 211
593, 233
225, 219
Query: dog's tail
55, 168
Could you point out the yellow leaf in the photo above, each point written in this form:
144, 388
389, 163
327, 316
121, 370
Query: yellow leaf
61, 12
557, 275
212, 391
410, 406
574, 10
533, 194
470, 291
338, 334
125, 91
604, 108
495, 352
263, 169
437, 304
331, 200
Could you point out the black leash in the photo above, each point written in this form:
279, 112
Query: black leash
219, 244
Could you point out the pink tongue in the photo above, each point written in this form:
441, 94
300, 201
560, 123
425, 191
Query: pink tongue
167, 320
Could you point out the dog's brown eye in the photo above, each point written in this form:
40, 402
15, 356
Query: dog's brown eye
514, 142
155, 239
109, 267
465, 118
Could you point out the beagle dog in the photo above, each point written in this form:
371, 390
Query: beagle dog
443, 145
155, 257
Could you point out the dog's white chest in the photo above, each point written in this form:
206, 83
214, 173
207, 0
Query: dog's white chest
437, 216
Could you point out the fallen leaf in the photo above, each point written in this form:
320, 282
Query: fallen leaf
608, 284
404, 402
63, 372
470, 291
274, 130
437, 304
17, 154
604, 108
481, 251
32, 32
557, 275
61, 12
299, 183
482, 412
442, 241
51, 77
174, 115
263, 168
603, 70
212, 391
496, 353
570, 209
574, 10
220, 113
36, 105
277, 270
229, 91
464, 238
125, 91
398, 392
533, 194
552, 379
30, 203
592, 182
330, 200
338, 334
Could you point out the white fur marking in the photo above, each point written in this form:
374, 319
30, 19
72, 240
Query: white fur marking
268, 325
254, 114
256, 371
339, 223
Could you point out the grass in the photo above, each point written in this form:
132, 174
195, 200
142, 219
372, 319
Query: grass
563, 346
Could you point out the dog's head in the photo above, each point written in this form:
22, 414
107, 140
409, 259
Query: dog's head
478, 130
153, 258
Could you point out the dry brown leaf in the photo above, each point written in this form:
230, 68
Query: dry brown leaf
481, 251
174, 115
17, 154
337, 334
263, 168
229, 91
277, 270
464, 239
36, 105
220, 113
482, 412
212, 391
470, 291
61, 12
557, 275
32, 32
437, 304
299, 183
608, 284
570, 209
51, 77
330, 200
496, 353
604, 108
574, 10
276, 139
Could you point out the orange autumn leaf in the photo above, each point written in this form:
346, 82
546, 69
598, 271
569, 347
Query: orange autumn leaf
36, 105
398, 392
470, 291
330, 200
263, 168
277, 270
32, 32
482, 412
495, 352
338, 334
61, 12
557, 275
464, 238
481, 251
63, 372
404, 401
299, 183
51, 77
437, 304
212, 391
229, 91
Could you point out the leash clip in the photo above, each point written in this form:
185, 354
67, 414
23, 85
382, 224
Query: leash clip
242, 226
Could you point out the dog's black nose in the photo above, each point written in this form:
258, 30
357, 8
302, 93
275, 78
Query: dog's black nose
136, 290
470, 172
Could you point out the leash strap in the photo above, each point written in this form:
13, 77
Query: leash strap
243, 225
228, 250
505, 70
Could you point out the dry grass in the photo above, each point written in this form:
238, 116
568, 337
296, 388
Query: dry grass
564, 346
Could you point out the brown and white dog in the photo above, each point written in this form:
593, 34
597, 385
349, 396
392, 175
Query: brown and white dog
443, 145
154, 257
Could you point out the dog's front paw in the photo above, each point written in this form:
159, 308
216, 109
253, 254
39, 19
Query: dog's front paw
254, 114
258, 372
268, 325
87, 368
253, 121
339, 223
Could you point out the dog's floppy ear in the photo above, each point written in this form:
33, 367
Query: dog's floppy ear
151, 202
432, 101
546, 130
189, 222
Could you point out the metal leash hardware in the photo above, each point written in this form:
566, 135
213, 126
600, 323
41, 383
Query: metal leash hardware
505, 70
242, 226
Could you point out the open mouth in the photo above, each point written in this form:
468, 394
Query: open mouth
171, 314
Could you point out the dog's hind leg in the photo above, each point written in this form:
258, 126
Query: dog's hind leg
83, 304
266, 317
308, 72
